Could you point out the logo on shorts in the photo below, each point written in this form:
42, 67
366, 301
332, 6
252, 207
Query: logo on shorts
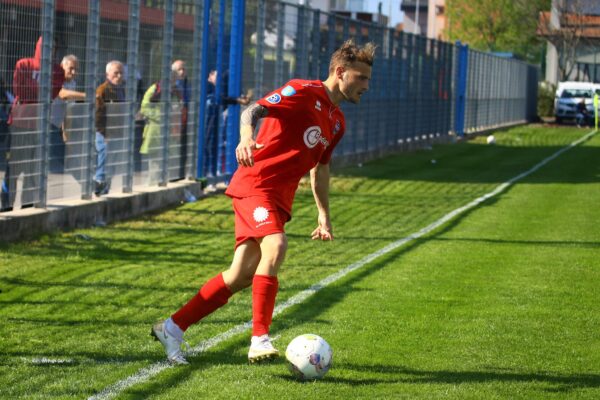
313, 135
274, 98
260, 214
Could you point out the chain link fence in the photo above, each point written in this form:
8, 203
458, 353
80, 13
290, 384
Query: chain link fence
113, 96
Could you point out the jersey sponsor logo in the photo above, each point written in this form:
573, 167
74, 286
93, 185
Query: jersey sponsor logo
288, 91
274, 98
318, 105
337, 126
313, 136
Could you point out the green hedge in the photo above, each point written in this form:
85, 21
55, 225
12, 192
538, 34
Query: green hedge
546, 93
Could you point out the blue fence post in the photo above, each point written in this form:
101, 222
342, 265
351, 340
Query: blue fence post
461, 88
236, 52
219, 89
203, 88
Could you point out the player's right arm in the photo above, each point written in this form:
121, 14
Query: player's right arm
247, 145
319, 181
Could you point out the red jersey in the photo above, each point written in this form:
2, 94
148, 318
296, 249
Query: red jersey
301, 129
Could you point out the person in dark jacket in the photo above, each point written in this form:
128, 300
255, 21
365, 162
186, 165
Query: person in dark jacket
582, 114
111, 91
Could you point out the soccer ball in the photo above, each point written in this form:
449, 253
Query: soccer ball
309, 357
491, 139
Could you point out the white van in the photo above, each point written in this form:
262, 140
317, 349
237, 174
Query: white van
569, 94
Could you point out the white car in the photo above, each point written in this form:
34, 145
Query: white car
569, 94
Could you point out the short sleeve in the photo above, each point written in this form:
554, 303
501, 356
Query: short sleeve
284, 101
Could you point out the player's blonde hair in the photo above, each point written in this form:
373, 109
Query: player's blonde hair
349, 53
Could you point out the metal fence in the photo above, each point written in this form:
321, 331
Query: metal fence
158, 125
497, 91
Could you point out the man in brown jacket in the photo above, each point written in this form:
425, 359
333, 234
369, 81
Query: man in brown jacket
111, 91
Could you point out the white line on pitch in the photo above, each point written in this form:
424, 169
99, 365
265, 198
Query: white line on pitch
147, 373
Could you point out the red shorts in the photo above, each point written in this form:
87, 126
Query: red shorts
257, 217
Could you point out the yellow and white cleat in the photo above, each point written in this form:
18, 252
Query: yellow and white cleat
261, 349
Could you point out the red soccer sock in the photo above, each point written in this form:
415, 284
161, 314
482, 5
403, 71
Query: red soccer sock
211, 296
264, 291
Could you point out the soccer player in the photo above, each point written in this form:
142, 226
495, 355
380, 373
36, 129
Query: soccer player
302, 125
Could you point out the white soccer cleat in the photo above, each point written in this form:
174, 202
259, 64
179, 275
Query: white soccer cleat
171, 344
261, 349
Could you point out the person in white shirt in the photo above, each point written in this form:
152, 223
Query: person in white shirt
58, 136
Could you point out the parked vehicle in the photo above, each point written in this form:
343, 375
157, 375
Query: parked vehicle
569, 94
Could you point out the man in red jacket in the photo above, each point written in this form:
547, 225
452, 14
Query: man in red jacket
302, 125
26, 76
23, 159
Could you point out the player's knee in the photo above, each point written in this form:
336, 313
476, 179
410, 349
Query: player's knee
238, 280
274, 246
245, 279
238, 283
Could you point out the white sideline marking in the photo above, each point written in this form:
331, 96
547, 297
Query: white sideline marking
48, 361
147, 373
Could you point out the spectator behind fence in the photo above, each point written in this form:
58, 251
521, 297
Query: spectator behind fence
26, 80
151, 110
58, 135
6, 99
582, 115
24, 138
216, 124
182, 87
111, 91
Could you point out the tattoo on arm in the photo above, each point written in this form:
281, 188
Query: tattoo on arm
252, 114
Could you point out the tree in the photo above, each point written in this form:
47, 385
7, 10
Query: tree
497, 25
566, 26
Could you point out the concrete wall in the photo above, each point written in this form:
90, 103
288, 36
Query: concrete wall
28, 223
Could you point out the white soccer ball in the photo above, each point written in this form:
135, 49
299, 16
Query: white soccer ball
309, 357
491, 139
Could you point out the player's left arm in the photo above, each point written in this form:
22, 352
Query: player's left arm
319, 181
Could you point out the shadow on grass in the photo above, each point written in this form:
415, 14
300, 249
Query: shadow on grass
309, 310
228, 353
477, 163
551, 243
565, 382
79, 284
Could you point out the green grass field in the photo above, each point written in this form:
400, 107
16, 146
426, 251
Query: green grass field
499, 303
